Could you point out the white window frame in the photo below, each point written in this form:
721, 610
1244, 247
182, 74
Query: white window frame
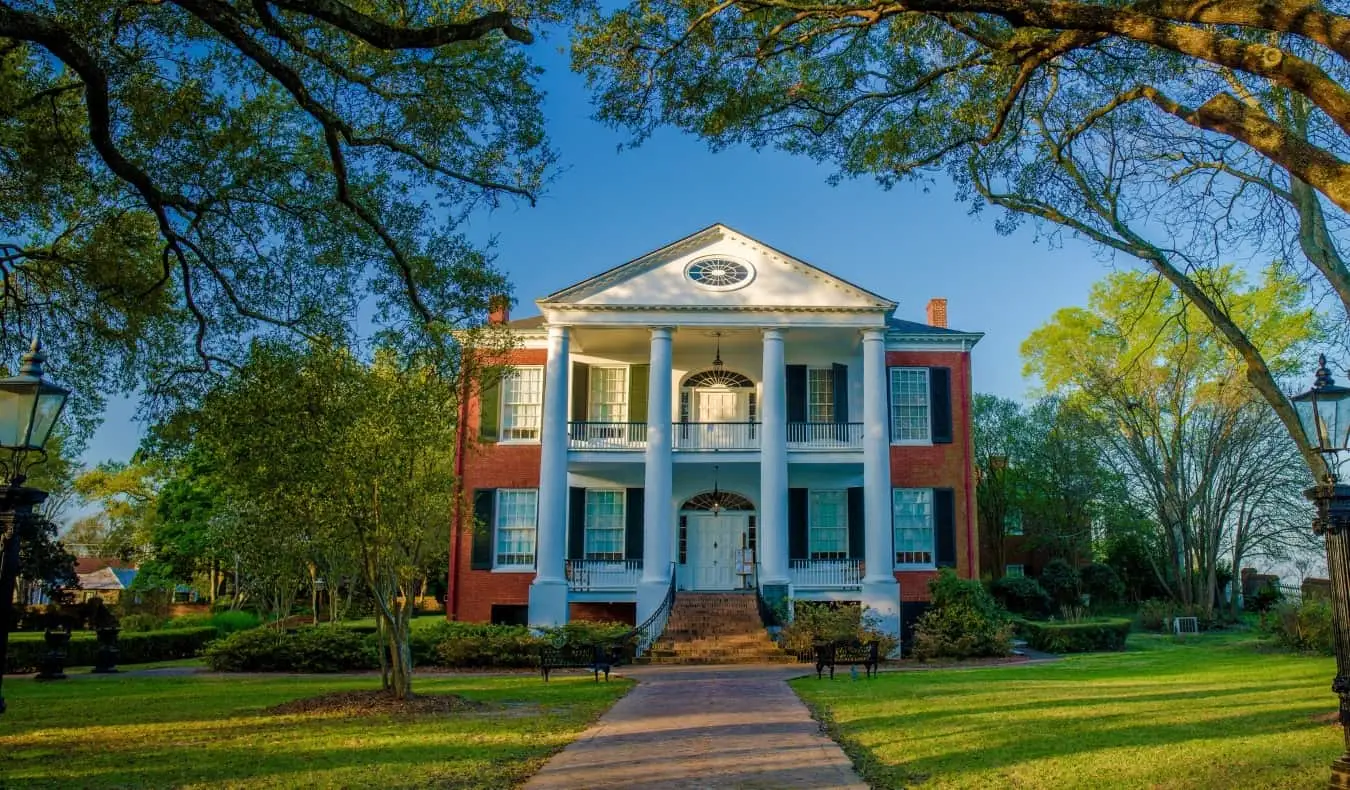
595, 397
896, 526
814, 378
500, 528
1012, 524
816, 532
506, 411
1009, 572
896, 374
591, 528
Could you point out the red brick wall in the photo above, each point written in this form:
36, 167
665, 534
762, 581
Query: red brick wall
941, 466
491, 465
604, 612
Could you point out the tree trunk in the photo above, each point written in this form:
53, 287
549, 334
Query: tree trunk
313, 594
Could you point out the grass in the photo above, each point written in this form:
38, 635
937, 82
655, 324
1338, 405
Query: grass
214, 731
1210, 712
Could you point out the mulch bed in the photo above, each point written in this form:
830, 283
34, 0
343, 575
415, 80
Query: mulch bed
1333, 717
376, 703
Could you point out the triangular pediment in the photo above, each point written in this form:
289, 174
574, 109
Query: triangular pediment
718, 268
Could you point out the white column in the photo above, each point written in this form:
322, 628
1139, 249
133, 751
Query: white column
657, 517
773, 463
880, 592
548, 592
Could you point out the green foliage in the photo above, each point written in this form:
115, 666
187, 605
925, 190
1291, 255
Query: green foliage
1061, 582
1264, 600
316, 649
491, 646
136, 648
963, 621
140, 623
1102, 584
1303, 627
225, 623
816, 622
1078, 637
585, 632
1021, 595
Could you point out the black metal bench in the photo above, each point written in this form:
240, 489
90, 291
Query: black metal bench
828, 654
597, 658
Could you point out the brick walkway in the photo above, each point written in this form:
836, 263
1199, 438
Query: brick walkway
703, 727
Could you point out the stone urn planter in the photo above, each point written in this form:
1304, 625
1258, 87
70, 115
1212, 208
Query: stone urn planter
52, 666
105, 660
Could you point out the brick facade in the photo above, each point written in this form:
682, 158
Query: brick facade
941, 466
490, 465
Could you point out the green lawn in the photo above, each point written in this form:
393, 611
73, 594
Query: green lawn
1210, 713
124, 731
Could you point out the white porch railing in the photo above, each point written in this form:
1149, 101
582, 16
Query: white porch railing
606, 435
588, 575
825, 574
825, 435
716, 435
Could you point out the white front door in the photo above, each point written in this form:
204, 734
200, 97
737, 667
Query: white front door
714, 546
719, 406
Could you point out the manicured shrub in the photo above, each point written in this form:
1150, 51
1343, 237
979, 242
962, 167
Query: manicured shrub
135, 648
1060, 581
586, 632
314, 649
1021, 595
486, 646
1102, 584
963, 621
227, 623
1305, 627
1264, 599
1085, 637
816, 622
1155, 615
141, 623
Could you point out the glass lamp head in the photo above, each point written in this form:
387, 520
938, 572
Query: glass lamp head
29, 405
1324, 412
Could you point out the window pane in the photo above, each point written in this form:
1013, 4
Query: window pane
909, 404
609, 395
820, 395
522, 394
604, 525
829, 525
517, 512
1014, 571
912, 515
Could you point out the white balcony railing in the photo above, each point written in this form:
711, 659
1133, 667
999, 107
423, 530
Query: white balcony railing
825, 574
698, 436
716, 435
606, 435
825, 435
588, 575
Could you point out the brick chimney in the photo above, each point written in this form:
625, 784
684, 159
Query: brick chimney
499, 308
937, 312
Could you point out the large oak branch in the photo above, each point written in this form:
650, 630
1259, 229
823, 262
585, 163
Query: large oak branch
386, 36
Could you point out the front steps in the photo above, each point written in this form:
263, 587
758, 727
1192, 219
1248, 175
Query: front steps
716, 628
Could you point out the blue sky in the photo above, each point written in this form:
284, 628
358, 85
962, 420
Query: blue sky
607, 206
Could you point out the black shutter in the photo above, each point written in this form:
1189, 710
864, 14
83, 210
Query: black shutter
576, 523
796, 393
940, 404
798, 519
489, 412
638, 378
840, 385
633, 521
581, 391
484, 527
856, 524
944, 527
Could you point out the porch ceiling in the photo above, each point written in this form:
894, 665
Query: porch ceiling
697, 342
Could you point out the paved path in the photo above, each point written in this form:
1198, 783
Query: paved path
703, 727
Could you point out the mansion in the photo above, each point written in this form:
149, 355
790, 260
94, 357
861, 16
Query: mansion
715, 415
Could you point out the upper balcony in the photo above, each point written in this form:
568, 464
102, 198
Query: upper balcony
713, 436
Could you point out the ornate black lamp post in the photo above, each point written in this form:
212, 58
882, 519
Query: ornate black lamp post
29, 408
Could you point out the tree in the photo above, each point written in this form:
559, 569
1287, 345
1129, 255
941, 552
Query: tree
179, 177
128, 493
1195, 449
344, 457
1102, 120
999, 438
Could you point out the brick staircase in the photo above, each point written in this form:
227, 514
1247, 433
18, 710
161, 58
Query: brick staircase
716, 628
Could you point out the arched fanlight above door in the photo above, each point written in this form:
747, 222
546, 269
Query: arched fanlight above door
719, 378
721, 500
